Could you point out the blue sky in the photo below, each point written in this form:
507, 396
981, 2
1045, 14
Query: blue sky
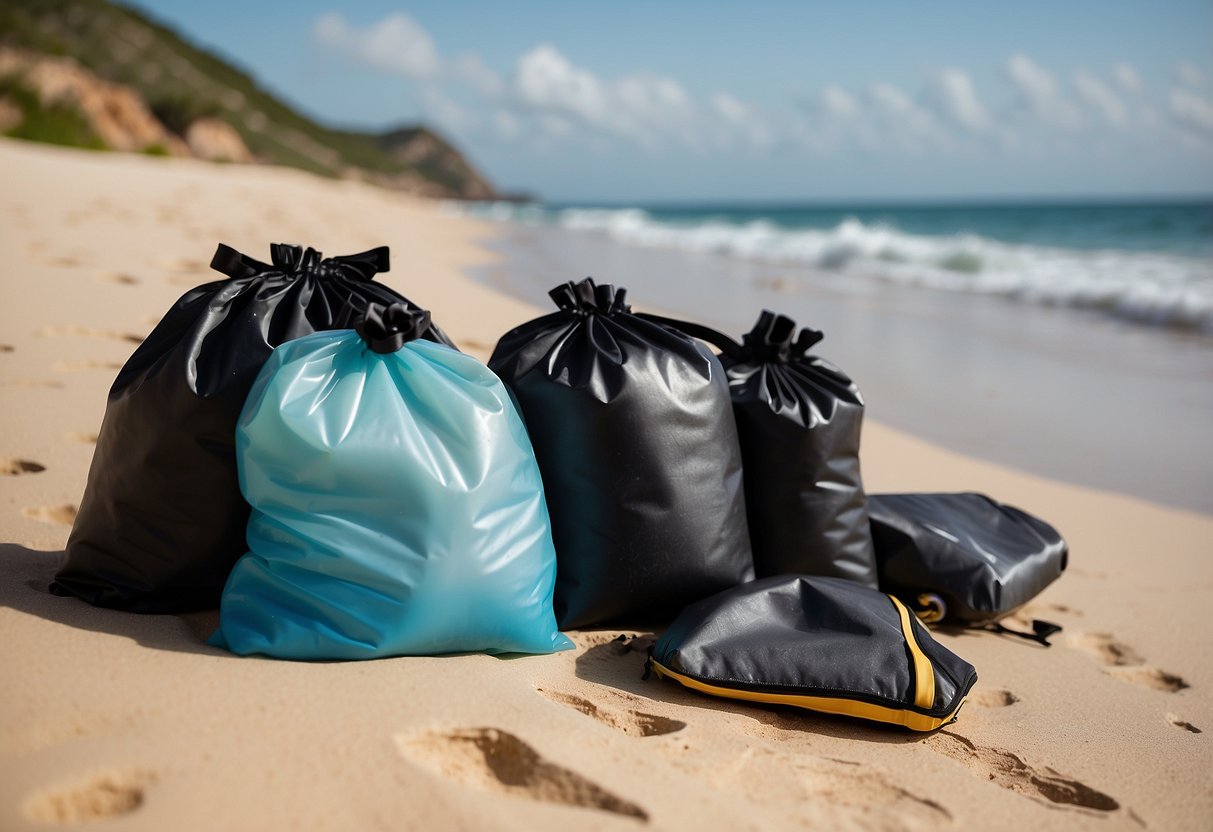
798, 101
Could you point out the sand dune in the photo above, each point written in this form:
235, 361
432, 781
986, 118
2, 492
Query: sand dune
135, 721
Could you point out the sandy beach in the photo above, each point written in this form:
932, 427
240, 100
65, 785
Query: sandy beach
133, 720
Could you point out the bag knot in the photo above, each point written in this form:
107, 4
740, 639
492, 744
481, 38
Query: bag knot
290, 259
587, 297
388, 328
771, 339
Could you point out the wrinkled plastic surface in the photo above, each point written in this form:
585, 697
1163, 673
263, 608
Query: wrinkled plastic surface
811, 636
162, 520
799, 420
397, 509
636, 441
985, 559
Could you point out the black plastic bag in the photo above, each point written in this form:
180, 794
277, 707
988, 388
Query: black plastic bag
799, 420
162, 520
638, 451
980, 558
823, 644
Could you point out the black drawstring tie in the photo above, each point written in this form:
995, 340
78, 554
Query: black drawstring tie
586, 296
1041, 631
388, 328
771, 339
290, 259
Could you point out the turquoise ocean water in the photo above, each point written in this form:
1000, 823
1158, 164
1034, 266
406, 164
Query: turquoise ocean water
1147, 262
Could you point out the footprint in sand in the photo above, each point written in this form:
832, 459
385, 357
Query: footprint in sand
493, 760
1106, 649
1150, 677
119, 279
845, 794
105, 794
7, 348
620, 715
1124, 663
89, 332
865, 789
1010, 772
993, 698
63, 515
612, 659
11, 467
1183, 724
64, 262
606, 645
77, 366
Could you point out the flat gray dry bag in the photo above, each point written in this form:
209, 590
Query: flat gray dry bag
823, 644
964, 557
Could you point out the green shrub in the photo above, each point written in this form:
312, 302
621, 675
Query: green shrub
55, 124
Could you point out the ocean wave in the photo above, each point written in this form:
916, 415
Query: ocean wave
1146, 287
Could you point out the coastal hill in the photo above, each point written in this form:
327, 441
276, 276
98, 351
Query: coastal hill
91, 73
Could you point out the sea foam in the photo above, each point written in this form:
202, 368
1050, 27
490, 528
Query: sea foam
1147, 287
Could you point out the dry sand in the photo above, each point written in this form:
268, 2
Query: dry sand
132, 719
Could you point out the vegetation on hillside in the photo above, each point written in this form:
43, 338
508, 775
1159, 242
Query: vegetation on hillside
181, 83
54, 124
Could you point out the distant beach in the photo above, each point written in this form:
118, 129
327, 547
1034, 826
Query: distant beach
1070, 340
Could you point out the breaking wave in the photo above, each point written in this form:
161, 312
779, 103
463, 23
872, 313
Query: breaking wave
1148, 287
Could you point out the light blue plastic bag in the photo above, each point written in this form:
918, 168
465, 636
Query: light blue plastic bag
397, 505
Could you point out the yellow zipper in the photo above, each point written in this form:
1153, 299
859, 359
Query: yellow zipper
924, 673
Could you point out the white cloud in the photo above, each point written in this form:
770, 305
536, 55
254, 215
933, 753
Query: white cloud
1188, 73
737, 120
396, 44
897, 120
652, 110
547, 98
881, 118
1127, 78
900, 109
729, 108
953, 95
1040, 92
839, 103
548, 83
1100, 98
892, 100
653, 107
1192, 112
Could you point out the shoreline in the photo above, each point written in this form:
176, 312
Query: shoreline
1051, 391
134, 719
